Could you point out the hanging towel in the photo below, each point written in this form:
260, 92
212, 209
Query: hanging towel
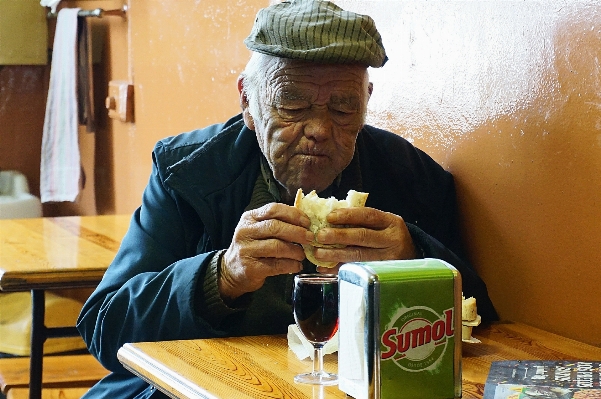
60, 163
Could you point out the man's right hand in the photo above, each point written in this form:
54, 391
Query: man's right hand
265, 243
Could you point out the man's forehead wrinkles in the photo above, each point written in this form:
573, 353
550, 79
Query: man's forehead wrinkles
291, 95
295, 95
284, 89
294, 85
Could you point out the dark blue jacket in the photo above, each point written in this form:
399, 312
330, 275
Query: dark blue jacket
201, 183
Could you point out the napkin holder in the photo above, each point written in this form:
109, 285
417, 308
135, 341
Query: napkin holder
400, 330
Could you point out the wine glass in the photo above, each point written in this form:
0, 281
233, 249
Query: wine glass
315, 302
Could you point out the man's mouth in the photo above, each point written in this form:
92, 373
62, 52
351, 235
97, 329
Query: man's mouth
312, 152
312, 155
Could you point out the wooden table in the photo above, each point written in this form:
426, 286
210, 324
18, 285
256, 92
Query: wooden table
263, 367
55, 253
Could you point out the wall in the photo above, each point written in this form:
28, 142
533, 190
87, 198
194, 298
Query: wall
22, 103
185, 58
507, 96
23, 93
503, 93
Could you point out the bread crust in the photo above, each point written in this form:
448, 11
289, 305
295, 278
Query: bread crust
353, 199
299, 196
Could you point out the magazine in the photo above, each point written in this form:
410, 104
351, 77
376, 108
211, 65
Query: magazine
542, 379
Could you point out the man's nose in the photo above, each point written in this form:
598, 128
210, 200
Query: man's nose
319, 124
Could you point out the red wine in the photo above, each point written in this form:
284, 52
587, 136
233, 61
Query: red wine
316, 309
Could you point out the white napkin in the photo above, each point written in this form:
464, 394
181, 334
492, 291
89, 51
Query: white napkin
352, 341
352, 376
303, 348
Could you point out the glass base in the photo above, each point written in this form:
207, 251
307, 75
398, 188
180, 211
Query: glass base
317, 378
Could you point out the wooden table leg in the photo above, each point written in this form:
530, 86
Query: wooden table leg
38, 336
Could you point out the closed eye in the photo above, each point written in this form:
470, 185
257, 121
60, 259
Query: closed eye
291, 113
342, 112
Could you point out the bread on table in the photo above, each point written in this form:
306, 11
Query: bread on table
469, 318
469, 311
317, 209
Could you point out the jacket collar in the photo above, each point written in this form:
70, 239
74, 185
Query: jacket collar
217, 178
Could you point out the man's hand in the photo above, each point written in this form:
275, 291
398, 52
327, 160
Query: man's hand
374, 235
265, 244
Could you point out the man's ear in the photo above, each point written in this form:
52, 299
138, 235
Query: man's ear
370, 88
248, 119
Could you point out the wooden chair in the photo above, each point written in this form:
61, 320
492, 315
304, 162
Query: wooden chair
64, 376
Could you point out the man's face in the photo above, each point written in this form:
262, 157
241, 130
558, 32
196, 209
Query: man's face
309, 118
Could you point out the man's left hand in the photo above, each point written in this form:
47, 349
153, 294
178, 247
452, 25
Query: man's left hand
372, 235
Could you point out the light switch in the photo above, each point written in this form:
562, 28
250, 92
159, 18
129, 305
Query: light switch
120, 100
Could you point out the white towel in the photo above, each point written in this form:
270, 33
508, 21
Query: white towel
60, 163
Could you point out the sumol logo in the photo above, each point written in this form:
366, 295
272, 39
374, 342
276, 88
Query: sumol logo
416, 338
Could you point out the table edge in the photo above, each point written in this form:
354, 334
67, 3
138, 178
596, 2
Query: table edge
130, 356
55, 279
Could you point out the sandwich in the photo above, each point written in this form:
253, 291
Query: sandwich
317, 209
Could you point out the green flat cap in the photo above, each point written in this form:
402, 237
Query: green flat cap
317, 31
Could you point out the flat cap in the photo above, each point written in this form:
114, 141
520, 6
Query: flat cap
317, 31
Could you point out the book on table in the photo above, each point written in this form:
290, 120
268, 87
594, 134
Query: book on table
542, 379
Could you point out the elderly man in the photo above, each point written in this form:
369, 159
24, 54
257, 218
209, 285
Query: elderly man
213, 249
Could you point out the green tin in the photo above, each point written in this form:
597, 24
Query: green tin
400, 330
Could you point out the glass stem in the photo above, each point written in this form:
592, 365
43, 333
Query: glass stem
317, 359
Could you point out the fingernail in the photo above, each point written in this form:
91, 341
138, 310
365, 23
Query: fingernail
333, 216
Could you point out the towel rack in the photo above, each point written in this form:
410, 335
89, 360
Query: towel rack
98, 13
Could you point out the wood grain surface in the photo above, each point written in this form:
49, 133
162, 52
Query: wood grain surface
263, 367
59, 371
60, 252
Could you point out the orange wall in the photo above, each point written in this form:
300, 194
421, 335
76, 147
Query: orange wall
22, 104
185, 57
505, 94
23, 92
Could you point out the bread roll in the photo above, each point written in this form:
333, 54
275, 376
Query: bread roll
317, 209
469, 310
470, 318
